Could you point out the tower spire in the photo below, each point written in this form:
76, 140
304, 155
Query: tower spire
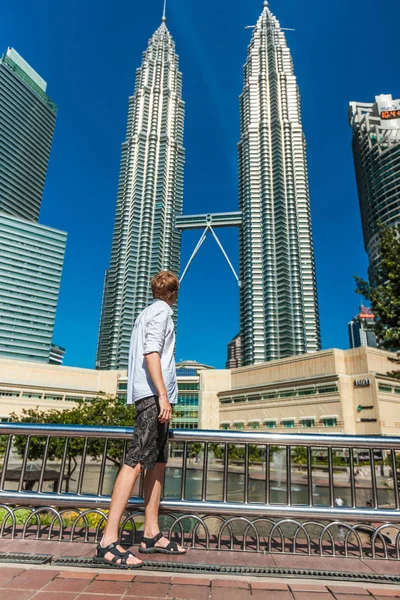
164, 18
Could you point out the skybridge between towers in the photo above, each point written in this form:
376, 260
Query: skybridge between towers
208, 223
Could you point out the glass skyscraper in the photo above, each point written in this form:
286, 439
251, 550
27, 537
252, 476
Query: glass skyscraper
31, 262
27, 121
150, 194
279, 307
376, 151
31, 255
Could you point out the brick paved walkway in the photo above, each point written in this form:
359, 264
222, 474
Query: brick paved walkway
52, 584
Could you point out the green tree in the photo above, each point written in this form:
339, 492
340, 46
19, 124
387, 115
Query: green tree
99, 411
384, 292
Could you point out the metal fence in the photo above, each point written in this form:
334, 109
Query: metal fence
323, 494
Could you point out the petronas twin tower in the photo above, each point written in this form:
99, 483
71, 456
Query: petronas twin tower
278, 299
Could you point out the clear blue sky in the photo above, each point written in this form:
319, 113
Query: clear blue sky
88, 50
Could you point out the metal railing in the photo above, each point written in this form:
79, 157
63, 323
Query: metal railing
336, 484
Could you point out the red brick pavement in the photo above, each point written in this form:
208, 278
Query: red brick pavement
53, 584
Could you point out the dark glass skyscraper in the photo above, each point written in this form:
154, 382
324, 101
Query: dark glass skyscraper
376, 151
31, 255
27, 121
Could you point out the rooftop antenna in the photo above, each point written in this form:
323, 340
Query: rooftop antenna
164, 18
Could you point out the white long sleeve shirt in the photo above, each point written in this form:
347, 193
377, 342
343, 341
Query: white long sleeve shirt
153, 332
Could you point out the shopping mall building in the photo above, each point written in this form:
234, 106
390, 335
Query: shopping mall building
333, 391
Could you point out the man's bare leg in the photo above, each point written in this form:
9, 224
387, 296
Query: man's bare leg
122, 492
152, 495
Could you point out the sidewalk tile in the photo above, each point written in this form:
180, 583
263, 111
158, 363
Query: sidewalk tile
269, 585
96, 597
153, 579
312, 596
385, 592
16, 594
308, 587
55, 596
76, 575
224, 593
230, 583
117, 588
115, 577
7, 573
32, 579
147, 590
181, 580
66, 585
189, 592
338, 590
350, 597
271, 595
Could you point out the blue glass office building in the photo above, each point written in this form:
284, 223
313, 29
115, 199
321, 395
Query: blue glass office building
31, 261
27, 121
31, 255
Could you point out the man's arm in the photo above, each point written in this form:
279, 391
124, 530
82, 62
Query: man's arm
156, 330
153, 362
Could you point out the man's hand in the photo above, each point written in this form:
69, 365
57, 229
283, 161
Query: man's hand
165, 409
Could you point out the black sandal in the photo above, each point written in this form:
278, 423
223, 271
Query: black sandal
151, 547
99, 557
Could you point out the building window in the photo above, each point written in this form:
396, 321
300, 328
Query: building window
307, 392
49, 397
35, 396
224, 426
288, 424
397, 390
239, 425
287, 394
329, 422
73, 398
385, 388
308, 423
270, 424
254, 424
327, 390
122, 387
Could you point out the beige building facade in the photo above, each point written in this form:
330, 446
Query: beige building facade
30, 384
333, 391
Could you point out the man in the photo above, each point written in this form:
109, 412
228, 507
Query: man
153, 388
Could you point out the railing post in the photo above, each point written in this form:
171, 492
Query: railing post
82, 469
102, 469
395, 480
45, 453
352, 480
373, 479
24, 461
309, 476
246, 474
225, 485
289, 475
5, 461
331, 481
184, 470
62, 467
267, 476
205, 473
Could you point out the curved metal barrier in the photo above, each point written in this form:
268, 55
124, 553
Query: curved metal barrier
326, 495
